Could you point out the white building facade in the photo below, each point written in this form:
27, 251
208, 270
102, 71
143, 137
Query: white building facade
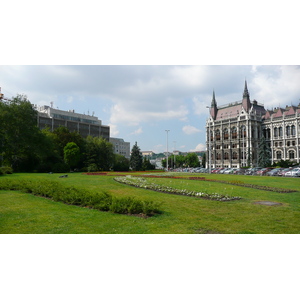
233, 133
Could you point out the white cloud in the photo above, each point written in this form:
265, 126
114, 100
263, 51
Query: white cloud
188, 129
199, 147
137, 132
113, 130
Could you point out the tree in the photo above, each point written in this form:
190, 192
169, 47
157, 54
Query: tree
192, 160
147, 165
264, 153
21, 139
71, 154
204, 160
99, 154
121, 163
136, 158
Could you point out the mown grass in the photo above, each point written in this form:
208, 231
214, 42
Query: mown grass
25, 213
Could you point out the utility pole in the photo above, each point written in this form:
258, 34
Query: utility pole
167, 131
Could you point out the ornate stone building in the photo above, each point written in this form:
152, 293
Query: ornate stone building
233, 132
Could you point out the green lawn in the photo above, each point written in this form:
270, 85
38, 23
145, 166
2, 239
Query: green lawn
25, 213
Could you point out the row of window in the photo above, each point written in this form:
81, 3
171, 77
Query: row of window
233, 131
278, 131
291, 154
226, 155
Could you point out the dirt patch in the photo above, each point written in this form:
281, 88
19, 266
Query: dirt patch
268, 203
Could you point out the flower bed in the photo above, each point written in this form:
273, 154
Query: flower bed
141, 182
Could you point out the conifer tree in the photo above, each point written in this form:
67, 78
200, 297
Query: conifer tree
136, 158
264, 153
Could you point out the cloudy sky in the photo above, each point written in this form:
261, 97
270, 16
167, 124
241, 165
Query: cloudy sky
140, 102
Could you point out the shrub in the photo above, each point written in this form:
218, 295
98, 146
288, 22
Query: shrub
6, 170
71, 195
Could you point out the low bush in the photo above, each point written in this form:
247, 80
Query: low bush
73, 196
6, 170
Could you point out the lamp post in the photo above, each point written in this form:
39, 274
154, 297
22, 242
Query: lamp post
208, 136
167, 131
174, 154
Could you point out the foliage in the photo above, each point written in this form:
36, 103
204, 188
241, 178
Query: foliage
6, 170
121, 163
99, 152
71, 154
74, 196
136, 158
147, 165
264, 153
21, 140
192, 160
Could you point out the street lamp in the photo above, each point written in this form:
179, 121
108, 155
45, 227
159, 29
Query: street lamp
167, 131
208, 136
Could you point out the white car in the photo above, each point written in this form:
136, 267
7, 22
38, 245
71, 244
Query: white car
293, 173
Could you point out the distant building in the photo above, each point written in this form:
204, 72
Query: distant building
83, 124
233, 133
121, 147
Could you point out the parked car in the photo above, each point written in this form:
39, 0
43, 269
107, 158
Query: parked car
282, 172
240, 171
295, 172
274, 172
252, 171
263, 171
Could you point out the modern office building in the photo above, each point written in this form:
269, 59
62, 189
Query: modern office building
121, 147
83, 124
234, 130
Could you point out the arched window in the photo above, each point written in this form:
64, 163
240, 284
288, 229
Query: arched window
280, 131
234, 155
291, 154
226, 155
243, 131
288, 130
278, 154
218, 136
218, 156
293, 130
211, 136
233, 133
225, 132
275, 132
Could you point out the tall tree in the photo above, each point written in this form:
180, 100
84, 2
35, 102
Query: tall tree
20, 136
99, 154
264, 153
192, 160
136, 158
71, 154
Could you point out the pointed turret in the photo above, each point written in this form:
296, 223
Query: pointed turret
213, 109
246, 98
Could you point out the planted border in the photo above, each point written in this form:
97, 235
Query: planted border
141, 182
102, 201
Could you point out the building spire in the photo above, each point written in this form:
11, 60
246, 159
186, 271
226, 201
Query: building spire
213, 107
213, 101
246, 93
246, 98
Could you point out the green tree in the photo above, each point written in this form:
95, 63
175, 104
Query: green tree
192, 160
99, 154
20, 138
147, 165
121, 163
204, 160
71, 154
136, 158
264, 153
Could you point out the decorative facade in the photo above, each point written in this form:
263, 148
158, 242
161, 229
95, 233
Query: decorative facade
233, 133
